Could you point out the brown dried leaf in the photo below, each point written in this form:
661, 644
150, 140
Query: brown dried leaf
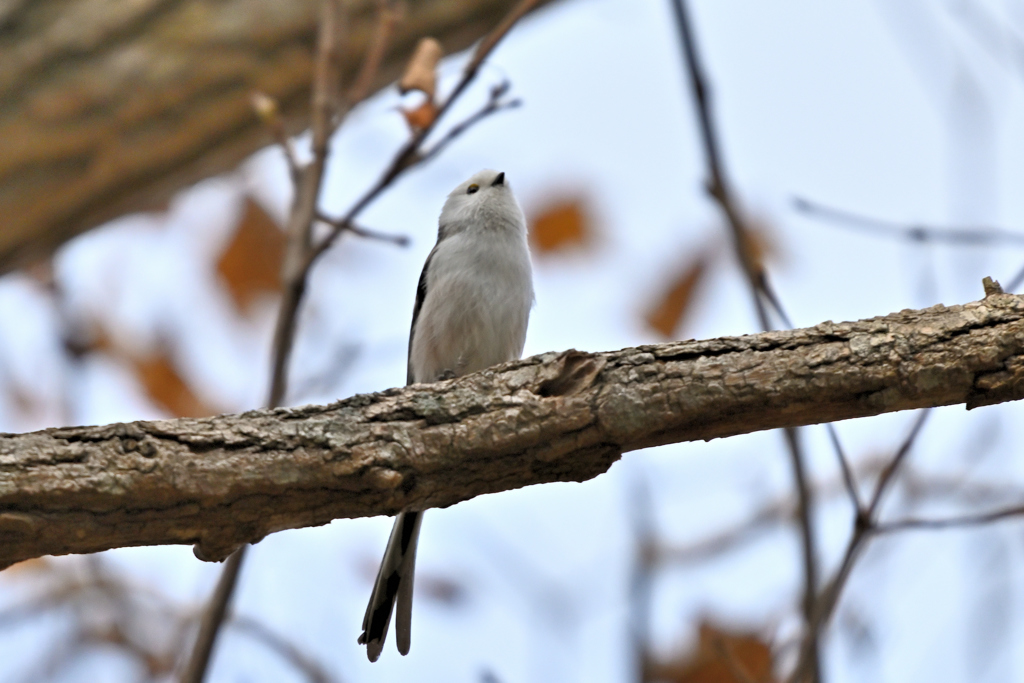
420, 117
667, 314
562, 225
251, 263
722, 656
167, 389
421, 71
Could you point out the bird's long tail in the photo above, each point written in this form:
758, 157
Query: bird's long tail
394, 582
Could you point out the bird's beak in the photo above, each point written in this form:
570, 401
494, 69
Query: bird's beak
500, 180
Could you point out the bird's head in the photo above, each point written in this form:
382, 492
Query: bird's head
484, 200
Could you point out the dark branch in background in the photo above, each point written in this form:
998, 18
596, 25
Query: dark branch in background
315, 673
329, 108
760, 292
915, 486
106, 609
885, 479
410, 154
865, 524
916, 232
977, 236
307, 180
1016, 281
399, 240
844, 465
949, 522
493, 106
213, 618
866, 521
645, 560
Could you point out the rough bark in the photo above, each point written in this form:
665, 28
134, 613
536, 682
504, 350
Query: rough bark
222, 481
109, 106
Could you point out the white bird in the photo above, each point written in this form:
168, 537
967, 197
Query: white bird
472, 307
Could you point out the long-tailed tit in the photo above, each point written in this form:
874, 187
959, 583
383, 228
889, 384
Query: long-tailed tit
472, 306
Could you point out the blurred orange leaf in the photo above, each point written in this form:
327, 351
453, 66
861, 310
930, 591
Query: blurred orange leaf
562, 225
36, 565
167, 389
251, 263
420, 117
677, 300
42, 272
721, 657
760, 242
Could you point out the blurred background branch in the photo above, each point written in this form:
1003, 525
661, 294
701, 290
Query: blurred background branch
107, 112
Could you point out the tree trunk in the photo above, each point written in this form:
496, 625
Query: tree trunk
108, 107
222, 481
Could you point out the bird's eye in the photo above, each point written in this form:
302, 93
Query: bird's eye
472, 188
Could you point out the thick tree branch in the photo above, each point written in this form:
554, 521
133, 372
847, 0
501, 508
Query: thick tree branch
223, 481
103, 112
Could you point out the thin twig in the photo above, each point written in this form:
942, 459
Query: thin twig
978, 236
400, 240
213, 618
1016, 281
304, 207
388, 15
285, 648
760, 290
890, 471
978, 519
645, 559
493, 106
826, 602
266, 108
723, 541
299, 232
809, 555
409, 154
844, 465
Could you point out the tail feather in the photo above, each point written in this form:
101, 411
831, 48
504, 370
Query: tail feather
394, 583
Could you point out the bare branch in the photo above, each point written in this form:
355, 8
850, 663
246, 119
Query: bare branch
213, 619
288, 651
267, 109
1016, 281
978, 519
844, 465
760, 291
400, 240
409, 154
890, 471
976, 236
493, 106
864, 526
388, 15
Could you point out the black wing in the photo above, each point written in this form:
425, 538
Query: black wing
421, 294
